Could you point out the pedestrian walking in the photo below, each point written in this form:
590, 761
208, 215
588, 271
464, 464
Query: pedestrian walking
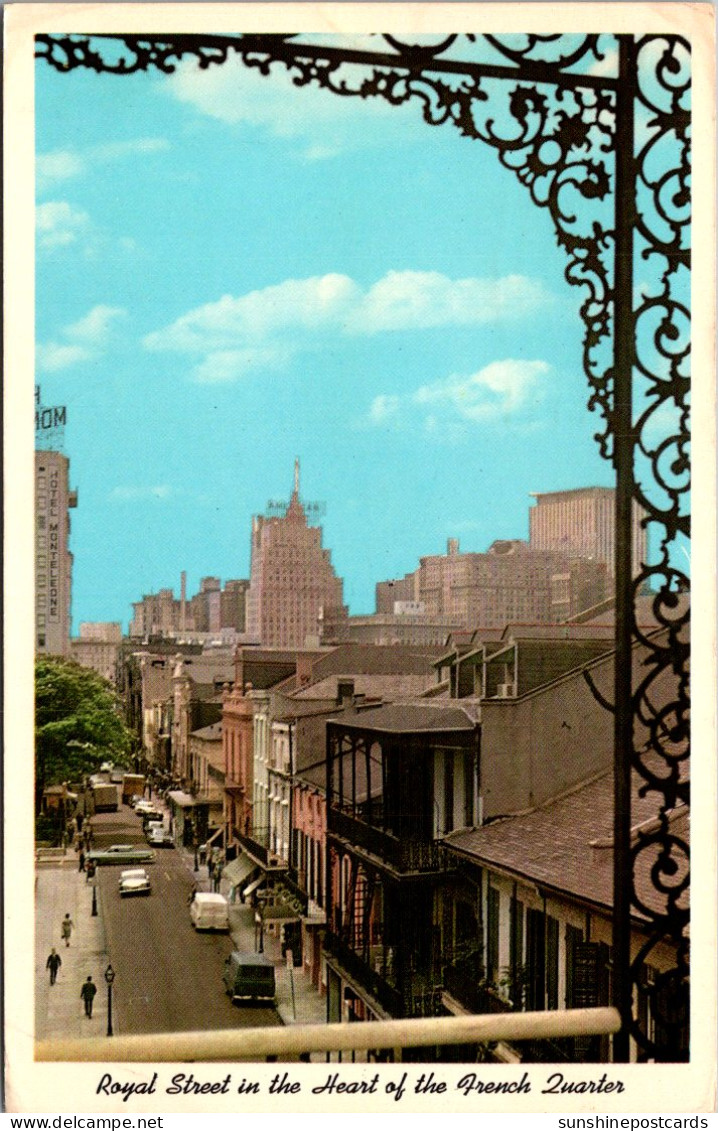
78, 821
87, 993
90, 869
53, 964
218, 868
210, 870
82, 860
67, 925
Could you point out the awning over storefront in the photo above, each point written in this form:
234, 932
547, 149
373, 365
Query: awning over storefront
238, 870
179, 797
254, 885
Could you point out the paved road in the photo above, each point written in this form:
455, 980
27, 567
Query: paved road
169, 977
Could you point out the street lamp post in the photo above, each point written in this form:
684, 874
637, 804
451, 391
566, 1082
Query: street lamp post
94, 895
109, 978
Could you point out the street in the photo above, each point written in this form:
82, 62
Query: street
168, 976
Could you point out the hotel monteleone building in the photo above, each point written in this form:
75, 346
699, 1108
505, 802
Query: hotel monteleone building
292, 582
53, 560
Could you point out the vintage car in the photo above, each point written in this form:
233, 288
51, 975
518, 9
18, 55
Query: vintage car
159, 836
142, 806
249, 978
134, 881
208, 911
121, 854
149, 815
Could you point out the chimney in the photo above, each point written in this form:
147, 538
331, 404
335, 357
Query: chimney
345, 692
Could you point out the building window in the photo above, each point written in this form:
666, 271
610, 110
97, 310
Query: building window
516, 949
574, 936
551, 963
535, 959
492, 934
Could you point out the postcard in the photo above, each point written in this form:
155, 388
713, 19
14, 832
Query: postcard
348, 561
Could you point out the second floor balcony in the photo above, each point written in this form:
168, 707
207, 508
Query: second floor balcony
405, 854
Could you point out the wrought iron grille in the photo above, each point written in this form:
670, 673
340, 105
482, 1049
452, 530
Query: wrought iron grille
596, 127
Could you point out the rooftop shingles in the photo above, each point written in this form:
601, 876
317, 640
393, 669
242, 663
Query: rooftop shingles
397, 685
567, 843
410, 718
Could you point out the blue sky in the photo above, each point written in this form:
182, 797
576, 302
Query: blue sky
232, 273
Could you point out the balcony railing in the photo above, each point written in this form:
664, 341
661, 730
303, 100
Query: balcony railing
466, 987
365, 976
405, 855
258, 1044
255, 847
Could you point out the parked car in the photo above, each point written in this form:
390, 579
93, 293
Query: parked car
134, 881
249, 978
144, 806
150, 815
209, 912
121, 854
160, 837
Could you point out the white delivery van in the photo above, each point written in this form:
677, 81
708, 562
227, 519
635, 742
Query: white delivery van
209, 912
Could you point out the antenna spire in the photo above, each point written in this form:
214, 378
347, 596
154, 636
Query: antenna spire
296, 476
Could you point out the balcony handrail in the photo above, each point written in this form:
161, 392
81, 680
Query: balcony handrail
257, 1044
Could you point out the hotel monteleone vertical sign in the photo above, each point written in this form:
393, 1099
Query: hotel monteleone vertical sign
49, 425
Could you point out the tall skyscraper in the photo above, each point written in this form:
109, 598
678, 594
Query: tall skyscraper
292, 578
581, 523
53, 560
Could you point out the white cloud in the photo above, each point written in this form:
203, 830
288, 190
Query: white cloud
125, 494
446, 408
85, 340
59, 224
268, 327
50, 357
383, 408
315, 120
223, 366
94, 328
61, 165
501, 388
424, 299
295, 304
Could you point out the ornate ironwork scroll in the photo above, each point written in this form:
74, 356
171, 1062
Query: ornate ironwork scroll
597, 130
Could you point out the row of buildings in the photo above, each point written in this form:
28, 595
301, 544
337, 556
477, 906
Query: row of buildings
420, 801
429, 829
293, 597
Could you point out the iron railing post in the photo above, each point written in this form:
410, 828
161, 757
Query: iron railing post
625, 210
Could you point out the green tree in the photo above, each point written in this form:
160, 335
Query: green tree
78, 723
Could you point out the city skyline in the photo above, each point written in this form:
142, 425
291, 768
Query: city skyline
415, 344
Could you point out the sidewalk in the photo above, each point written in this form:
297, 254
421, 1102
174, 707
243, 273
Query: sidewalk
59, 1011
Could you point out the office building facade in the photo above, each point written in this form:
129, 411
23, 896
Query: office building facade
292, 580
53, 560
581, 524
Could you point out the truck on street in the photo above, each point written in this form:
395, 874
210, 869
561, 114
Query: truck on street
132, 785
105, 798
